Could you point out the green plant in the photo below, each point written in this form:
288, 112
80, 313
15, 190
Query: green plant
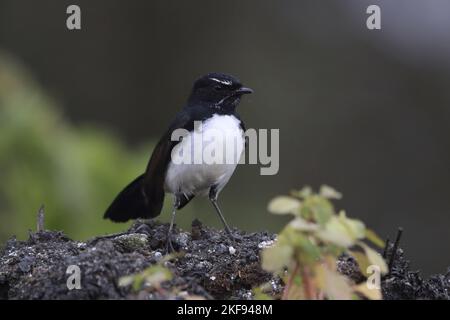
152, 279
307, 249
149, 279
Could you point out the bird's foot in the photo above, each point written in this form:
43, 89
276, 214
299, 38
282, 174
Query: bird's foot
234, 237
144, 229
169, 245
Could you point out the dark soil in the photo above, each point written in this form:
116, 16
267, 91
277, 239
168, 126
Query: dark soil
401, 283
209, 265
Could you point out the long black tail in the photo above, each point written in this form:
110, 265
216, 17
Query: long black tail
131, 203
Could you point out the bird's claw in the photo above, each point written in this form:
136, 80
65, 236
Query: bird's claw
169, 245
234, 237
143, 229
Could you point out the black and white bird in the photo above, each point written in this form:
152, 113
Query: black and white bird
212, 103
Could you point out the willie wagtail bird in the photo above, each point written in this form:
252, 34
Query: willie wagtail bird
213, 103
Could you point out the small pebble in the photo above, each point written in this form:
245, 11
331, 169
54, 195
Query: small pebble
26, 263
158, 255
182, 239
81, 245
265, 244
232, 250
221, 248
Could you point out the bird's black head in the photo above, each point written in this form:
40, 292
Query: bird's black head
219, 91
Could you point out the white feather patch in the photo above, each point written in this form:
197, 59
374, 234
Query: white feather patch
224, 82
196, 179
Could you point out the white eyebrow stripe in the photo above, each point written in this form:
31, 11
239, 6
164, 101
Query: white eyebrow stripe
225, 82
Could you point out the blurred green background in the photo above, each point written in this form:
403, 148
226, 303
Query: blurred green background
367, 112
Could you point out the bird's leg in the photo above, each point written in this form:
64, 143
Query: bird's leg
169, 246
213, 199
216, 206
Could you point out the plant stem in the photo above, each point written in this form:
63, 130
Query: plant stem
288, 286
308, 286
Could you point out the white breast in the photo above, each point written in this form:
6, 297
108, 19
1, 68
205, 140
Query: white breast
222, 143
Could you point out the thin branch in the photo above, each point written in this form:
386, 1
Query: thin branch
394, 249
386, 248
40, 219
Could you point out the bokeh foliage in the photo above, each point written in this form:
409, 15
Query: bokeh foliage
73, 171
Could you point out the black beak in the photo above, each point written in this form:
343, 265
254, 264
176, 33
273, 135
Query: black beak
244, 90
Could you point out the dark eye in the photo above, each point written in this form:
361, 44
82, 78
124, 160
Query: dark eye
217, 88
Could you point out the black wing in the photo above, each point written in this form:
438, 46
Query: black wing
155, 175
144, 197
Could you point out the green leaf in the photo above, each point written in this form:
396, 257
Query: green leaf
284, 205
275, 258
374, 257
304, 193
303, 225
329, 193
156, 275
126, 281
374, 238
307, 251
362, 260
334, 285
318, 208
342, 231
259, 294
153, 276
355, 228
336, 233
138, 281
